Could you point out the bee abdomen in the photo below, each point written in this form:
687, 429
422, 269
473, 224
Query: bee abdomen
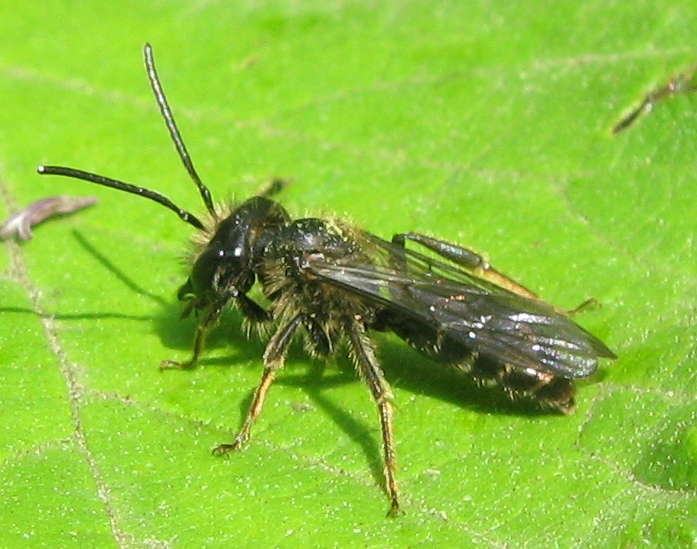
528, 384
547, 390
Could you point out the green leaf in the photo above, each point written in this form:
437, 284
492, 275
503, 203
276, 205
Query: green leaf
482, 124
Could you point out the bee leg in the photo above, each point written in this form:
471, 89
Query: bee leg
205, 325
590, 303
466, 258
252, 310
274, 360
370, 371
273, 187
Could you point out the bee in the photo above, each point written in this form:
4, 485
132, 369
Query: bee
333, 285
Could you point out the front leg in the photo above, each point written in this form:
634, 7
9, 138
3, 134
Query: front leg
274, 360
205, 324
466, 258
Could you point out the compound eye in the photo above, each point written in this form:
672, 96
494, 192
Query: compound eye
205, 270
218, 269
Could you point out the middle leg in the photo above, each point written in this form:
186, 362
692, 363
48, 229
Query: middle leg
371, 372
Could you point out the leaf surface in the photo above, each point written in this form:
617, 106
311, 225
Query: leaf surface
483, 124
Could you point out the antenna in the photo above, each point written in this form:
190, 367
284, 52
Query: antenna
190, 218
172, 127
184, 215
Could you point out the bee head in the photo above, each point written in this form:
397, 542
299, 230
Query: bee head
228, 243
226, 265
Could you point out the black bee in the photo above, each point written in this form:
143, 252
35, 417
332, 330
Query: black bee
334, 283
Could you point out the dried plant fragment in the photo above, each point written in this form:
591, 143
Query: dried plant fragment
20, 224
680, 83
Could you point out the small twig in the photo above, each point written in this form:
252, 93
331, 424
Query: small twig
681, 83
20, 224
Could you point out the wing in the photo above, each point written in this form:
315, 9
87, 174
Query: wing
470, 311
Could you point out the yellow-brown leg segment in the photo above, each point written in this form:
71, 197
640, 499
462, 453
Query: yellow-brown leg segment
199, 344
370, 371
274, 360
590, 303
468, 259
207, 322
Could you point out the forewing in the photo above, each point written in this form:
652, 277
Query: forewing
473, 312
